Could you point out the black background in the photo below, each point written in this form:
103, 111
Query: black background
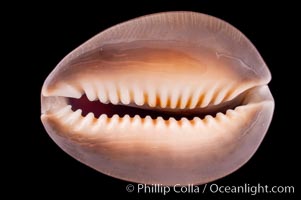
42, 34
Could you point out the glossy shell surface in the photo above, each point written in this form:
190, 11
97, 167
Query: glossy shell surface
168, 98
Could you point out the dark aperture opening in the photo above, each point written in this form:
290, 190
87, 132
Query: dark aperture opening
109, 109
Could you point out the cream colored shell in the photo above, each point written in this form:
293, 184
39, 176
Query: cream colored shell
178, 63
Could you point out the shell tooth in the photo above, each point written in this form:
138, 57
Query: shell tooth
136, 120
125, 122
113, 121
207, 98
148, 122
160, 123
148, 118
64, 111
102, 94
232, 93
69, 91
124, 95
152, 97
214, 96
173, 123
184, 98
163, 97
205, 101
89, 91
231, 113
175, 98
240, 109
89, 117
85, 122
103, 119
198, 123
138, 96
185, 123
195, 98
221, 117
209, 120
220, 95
112, 93
74, 117
100, 122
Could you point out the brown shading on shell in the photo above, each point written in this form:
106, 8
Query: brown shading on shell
182, 99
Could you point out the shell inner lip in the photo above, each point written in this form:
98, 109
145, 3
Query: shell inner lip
98, 108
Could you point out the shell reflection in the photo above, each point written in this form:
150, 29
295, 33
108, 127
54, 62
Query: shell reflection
169, 98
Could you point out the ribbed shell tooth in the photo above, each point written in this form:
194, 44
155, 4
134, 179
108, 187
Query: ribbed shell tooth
89, 91
198, 123
185, 98
148, 122
113, 93
114, 122
232, 93
152, 97
185, 123
85, 122
160, 123
175, 98
64, 111
195, 98
207, 97
74, 117
231, 113
214, 95
124, 95
221, 94
163, 96
125, 122
69, 91
240, 109
209, 120
102, 93
136, 121
173, 123
138, 95
221, 117
100, 123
